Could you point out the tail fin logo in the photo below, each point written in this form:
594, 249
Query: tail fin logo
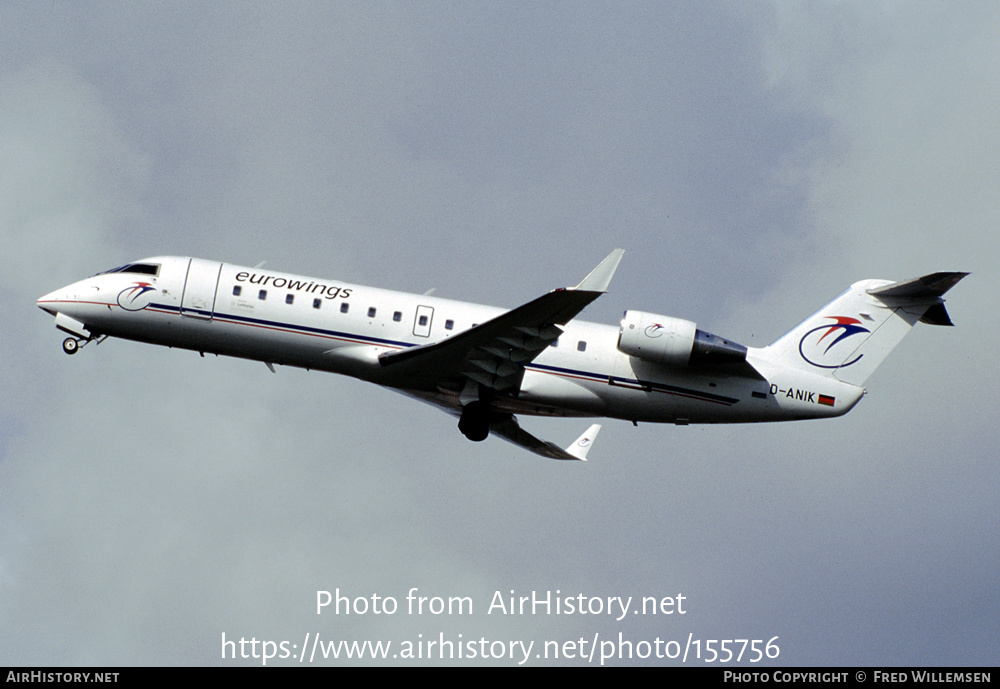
819, 346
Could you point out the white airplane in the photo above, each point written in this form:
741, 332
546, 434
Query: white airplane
485, 364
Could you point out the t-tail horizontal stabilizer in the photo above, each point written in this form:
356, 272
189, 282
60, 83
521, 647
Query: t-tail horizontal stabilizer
506, 427
928, 288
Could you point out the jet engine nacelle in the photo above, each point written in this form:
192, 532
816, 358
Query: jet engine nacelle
673, 341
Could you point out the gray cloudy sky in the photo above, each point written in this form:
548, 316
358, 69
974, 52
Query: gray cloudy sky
753, 160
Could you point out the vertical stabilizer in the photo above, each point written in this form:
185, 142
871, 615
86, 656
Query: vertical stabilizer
849, 337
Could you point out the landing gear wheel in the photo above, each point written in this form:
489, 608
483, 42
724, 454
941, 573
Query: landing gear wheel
475, 421
70, 345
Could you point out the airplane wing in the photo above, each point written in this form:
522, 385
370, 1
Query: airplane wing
494, 353
506, 427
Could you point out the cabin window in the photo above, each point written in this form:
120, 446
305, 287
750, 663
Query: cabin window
397, 316
237, 290
555, 343
262, 295
422, 320
289, 298
449, 324
317, 303
371, 312
581, 346
344, 307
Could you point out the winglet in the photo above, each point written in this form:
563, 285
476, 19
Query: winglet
507, 427
600, 277
581, 446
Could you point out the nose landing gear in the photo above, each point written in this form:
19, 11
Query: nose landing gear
72, 345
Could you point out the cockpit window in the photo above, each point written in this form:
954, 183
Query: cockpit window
138, 268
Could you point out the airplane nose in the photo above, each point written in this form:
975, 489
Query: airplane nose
72, 298
60, 300
49, 302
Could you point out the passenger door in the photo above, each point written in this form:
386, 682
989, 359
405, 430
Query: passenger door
200, 286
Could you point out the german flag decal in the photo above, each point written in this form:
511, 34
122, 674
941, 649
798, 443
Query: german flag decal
827, 400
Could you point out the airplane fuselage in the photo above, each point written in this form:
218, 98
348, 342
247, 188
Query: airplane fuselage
330, 325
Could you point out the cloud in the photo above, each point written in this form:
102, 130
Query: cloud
70, 175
